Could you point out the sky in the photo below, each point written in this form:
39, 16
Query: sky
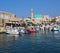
22, 8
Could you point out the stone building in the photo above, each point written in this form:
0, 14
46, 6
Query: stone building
6, 17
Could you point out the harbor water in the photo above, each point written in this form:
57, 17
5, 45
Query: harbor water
41, 42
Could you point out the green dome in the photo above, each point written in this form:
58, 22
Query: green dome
38, 16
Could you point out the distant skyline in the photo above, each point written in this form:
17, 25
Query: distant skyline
22, 8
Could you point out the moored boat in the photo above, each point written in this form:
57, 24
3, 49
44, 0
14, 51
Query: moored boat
21, 30
11, 28
54, 29
12, 31
32, 30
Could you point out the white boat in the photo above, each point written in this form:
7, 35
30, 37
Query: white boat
54, 29
21, 30
12, 31
11, 28
37, 28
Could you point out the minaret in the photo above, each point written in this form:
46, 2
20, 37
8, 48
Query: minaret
32, 13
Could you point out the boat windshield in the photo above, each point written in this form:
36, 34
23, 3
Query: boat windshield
13, 24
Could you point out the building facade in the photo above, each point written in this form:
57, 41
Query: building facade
6, 17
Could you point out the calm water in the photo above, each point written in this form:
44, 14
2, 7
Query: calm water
42, 42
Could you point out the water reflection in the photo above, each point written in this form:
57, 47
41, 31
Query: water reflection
56, 32
30, 43
57, 36
15, 37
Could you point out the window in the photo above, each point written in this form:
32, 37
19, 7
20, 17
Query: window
1, 16
4, 16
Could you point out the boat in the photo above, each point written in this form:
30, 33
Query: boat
32, 30
11, 28
12, 31
37, 28
54, 29
59, 29
21, 30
